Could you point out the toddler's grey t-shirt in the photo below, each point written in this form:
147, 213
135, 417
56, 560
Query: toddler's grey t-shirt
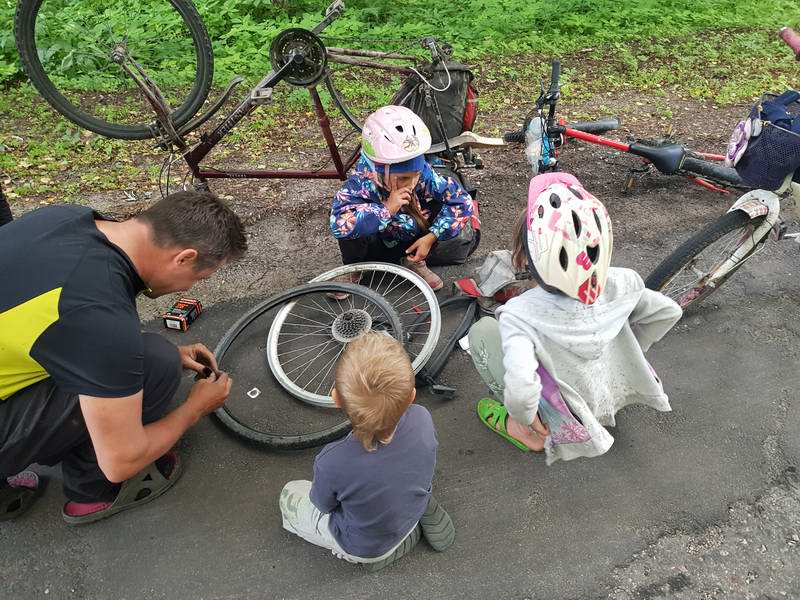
375, 498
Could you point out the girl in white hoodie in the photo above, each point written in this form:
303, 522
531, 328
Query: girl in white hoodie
566, 355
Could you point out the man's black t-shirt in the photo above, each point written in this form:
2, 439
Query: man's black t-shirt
67, 306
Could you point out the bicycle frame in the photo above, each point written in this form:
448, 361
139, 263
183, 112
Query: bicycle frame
207, 143
261, 93
168, 137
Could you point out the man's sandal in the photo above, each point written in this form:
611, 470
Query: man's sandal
18, 494
146, 486
494, 415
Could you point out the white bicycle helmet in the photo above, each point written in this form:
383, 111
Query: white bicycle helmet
569, 238
394, 134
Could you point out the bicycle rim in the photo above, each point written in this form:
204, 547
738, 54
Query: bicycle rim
254, 411
65, 47
413, 299
691, 284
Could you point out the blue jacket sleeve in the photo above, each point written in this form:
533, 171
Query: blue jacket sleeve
357, 210
458, 207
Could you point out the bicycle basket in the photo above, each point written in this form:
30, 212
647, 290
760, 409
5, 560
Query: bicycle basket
770, 156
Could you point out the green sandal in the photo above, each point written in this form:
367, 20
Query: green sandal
494, 415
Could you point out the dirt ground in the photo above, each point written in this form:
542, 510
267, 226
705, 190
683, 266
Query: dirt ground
711, 509
288, 218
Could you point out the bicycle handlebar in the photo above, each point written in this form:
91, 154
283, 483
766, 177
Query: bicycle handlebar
555, 75
792, 39
595, 127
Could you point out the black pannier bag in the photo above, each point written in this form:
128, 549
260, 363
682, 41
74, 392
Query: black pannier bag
458, 104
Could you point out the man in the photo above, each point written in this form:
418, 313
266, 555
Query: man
80, 383
5, 209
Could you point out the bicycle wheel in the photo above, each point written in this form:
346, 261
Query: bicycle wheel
714, 171
406, 292
264, 417
65, 47
413, 299
684, 275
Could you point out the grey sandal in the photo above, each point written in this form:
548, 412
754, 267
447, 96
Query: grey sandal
146, 486
18, 494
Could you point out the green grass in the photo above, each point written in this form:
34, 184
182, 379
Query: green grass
714, 51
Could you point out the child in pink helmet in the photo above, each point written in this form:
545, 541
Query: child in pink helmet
567, 354
396, 208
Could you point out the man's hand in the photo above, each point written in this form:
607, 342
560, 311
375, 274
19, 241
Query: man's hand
209, 394
397, 200
198, 358
419, 250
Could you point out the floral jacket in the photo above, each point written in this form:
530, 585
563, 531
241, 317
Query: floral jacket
358, 209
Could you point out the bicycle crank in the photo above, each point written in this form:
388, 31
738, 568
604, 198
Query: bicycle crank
306, 53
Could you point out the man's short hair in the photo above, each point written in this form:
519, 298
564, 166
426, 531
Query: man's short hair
374, 383
197, 220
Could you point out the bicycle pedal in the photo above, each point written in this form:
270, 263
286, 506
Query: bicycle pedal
261, 96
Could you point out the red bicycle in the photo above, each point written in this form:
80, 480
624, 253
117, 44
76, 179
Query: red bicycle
544, 134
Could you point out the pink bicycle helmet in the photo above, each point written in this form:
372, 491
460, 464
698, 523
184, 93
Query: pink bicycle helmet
569, 238
394, 134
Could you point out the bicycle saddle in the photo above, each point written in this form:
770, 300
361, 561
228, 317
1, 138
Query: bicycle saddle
668, 159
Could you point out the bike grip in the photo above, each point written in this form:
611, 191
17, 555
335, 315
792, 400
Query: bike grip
792, 39
600, 126
555, 75
514, 137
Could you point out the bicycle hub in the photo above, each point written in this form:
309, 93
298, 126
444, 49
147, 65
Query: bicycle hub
351, 325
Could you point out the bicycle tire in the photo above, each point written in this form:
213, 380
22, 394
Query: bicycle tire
676, 262
712, 170
25, 34
293, 441
419, 358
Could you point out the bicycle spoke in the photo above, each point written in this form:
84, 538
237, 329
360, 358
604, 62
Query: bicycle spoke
312, 321
322, 309
318, 371
303, 350
321, 353
333, 364
679, 285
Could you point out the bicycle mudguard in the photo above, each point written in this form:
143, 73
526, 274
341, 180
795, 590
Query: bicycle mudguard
758, 203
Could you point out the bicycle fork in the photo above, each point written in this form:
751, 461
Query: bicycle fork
163, 128
756, 203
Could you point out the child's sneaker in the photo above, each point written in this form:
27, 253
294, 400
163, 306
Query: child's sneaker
437, 526
421, 269
404, 548
346, 278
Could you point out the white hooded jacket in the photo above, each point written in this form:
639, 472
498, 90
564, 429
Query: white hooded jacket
595, 353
